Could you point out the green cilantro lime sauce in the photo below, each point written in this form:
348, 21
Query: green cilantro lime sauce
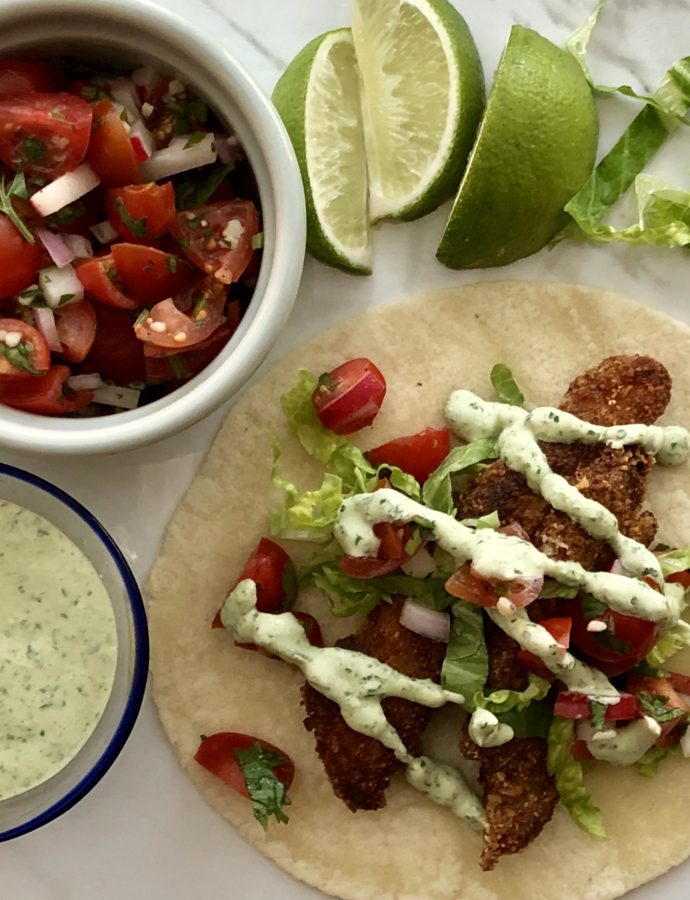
58, 648
357, 683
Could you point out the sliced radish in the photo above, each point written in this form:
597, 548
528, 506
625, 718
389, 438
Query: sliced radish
112, 395
430, 623
142, 140
65, 190
179, 158
104, 232
60, 286
56, 246
45, 322
79, 245
88, 382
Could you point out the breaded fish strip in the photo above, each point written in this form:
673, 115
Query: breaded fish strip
359, 767
518, 793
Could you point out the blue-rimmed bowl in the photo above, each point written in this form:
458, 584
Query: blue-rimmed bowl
196, 48
46, 801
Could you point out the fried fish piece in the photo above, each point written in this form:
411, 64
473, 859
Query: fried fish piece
519, 795
360, 767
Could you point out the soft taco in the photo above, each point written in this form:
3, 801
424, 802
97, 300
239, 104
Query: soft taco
600, 358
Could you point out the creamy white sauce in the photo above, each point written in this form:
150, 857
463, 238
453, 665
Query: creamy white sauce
357, 683
627, 744
486, 731
58, 649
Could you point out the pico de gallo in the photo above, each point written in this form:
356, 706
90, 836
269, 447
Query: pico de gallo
130, 236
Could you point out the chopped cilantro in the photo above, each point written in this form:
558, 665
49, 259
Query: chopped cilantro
199, 186
266, 790
16, 189
136, 226
258, 241
90, 92
67, 214
189, 114
178, 366
592, 608
19, 357
172, 263
598, 713
57, 113
34, 149
194, 139
655, 705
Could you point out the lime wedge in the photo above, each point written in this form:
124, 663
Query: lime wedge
318, 100
422, 97
535, 149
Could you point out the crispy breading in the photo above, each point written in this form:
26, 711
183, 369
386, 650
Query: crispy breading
519, 795
359, 767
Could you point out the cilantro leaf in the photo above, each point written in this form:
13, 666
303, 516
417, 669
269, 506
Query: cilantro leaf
655, 705
16, 189
136, 226
598, 713
198, 187
266, 791
19, 357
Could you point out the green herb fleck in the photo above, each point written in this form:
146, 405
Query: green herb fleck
138, 227
655, 705
199, 186
16, 189
194, 139
19, 357
33, 149
598, 713
258, 241
172, 263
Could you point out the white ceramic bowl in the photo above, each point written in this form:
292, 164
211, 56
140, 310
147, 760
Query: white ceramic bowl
46, 801
139, 32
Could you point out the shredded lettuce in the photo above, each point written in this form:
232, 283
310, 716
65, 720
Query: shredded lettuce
532, 721
437, 492
466, 665
569, 778
505, 386
648, 764
503, 700
671, 642
310, 515
553, 588
348, 595
674, 561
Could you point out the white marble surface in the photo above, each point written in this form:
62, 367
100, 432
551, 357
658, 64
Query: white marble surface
143, 833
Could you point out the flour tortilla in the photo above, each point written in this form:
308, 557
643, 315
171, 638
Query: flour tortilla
412, 849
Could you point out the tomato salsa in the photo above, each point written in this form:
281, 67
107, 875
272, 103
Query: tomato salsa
130, 236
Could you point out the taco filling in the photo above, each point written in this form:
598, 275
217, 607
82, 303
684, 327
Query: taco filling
506, 565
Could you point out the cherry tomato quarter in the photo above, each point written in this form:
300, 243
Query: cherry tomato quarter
217, 237
76, 328
167, 325
19, 260
417, 454
349, 397
149, 275
110, 152
24, 352
216, 753
141, 212
624, 643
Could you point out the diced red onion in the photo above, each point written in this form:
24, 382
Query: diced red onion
124, 92
79, 245
420, 565
179, 158
60, 286
45, 322
104, 232
56, 246
112, 395
429, 623
88, 382
65, 190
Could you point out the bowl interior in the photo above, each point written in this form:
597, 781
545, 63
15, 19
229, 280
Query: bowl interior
141, 33
44, 802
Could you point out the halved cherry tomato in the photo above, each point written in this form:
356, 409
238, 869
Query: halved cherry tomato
391, 554
349, 397
44, 135
29, 358
273, 571
76, 328
23, 76
216, 754
205, 302
626, 641
417, 454
116, 354
102, 282
680, 682
468, 585
580, 751
574, 705
148, 275
44, 395
19, 260
141, 212
110, 152
559, 629
663, 689
167, 365
218, 237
